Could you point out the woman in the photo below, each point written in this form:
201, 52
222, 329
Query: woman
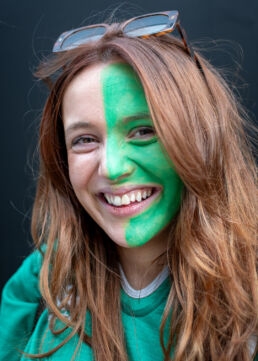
146, 182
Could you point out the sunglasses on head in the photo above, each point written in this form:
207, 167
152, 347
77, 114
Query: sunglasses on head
143, 26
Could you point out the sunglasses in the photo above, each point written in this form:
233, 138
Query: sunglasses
143, 26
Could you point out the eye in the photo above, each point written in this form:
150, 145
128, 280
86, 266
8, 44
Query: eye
142, 133
84, 143
83, 140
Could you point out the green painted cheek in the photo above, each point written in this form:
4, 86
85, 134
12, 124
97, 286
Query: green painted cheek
139, 164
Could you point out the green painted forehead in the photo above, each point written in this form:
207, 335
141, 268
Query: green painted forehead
124, 89
122, 74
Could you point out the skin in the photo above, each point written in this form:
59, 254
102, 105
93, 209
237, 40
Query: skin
107, 150
142, 158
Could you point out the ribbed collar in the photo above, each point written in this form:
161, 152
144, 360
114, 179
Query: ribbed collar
146, 291
142, 306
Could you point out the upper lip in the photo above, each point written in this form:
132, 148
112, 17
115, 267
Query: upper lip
123, 190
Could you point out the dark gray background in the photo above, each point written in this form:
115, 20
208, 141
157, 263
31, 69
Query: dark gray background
28, 30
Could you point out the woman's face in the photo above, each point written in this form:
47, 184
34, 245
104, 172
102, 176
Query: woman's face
117, 167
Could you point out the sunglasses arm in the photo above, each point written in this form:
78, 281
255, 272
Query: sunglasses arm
189, 47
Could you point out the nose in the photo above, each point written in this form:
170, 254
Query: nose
115, 163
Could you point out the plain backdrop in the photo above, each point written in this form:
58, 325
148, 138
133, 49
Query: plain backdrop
227, 29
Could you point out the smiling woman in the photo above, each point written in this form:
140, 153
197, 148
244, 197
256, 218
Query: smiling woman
117, 168
145, 217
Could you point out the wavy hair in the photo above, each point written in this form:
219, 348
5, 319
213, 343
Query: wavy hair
212, 244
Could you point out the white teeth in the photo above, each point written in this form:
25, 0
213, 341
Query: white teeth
139, 197
107, 198
128, 198
117, 201
132, 198
125, 199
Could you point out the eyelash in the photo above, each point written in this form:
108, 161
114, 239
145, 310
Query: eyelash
78, 140
138, 129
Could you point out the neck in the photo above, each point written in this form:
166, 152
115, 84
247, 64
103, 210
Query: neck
142, 264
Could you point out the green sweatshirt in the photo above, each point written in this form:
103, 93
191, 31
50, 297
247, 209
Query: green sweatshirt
141, 319
20, 298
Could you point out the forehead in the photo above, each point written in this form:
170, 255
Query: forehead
112, 89
83, 97
122, 91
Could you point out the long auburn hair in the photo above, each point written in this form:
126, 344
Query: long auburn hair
211, 253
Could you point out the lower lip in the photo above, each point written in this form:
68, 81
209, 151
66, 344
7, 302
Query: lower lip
130, 209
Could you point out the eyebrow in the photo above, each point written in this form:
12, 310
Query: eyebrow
143, 115
77, 125
86, 125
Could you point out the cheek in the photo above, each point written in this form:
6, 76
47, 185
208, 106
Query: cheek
80, 171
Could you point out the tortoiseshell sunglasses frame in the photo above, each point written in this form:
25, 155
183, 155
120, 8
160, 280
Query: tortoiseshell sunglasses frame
173, 23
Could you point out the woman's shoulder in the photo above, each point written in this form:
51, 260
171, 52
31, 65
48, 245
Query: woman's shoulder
24, 283
19, 304
43, 340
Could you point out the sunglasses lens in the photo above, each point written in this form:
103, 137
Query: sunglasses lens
147, 25
82, 37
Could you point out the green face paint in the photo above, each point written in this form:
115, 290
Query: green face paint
133, 161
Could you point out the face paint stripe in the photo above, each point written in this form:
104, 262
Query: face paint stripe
135, 164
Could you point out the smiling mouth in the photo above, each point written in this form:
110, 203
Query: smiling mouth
133, 199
